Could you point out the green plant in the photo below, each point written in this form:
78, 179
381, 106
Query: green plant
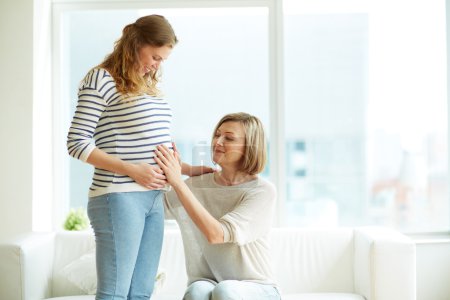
76, 219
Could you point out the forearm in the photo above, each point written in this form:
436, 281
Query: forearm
102, 160
185, 169
208, 225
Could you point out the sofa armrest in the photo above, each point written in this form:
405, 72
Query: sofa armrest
385, 264
26, 266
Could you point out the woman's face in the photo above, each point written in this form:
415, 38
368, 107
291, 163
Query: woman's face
229, 144
151, 57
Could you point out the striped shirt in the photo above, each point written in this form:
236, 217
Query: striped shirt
128, 127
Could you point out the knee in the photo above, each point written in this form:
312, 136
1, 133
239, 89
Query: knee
199, 290
225, 290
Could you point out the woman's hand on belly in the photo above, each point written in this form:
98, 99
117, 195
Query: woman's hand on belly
149, 176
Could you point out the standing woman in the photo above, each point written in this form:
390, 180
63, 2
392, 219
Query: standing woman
225, 217
119, 120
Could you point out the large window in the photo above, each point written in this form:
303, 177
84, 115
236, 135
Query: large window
366, 114
209, 74
361, 134
219, 66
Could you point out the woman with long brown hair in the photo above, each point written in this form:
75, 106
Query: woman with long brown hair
119, 120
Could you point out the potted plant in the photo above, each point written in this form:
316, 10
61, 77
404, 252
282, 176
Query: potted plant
76, 220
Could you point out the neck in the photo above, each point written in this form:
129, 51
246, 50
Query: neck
232, 177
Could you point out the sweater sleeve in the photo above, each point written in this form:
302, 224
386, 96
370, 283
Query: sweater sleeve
172, 204
90, 107
251, 219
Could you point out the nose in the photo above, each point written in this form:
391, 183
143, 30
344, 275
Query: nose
156, 64
219, 141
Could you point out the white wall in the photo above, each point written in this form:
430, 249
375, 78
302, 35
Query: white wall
16, 84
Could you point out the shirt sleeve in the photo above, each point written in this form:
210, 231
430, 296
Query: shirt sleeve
251, 219
89, 108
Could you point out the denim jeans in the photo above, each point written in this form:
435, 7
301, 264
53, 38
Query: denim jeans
128, 231
230, 290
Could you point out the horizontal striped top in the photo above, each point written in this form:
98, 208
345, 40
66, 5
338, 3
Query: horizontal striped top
128, 127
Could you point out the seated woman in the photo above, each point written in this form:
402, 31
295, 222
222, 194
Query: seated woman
225, 216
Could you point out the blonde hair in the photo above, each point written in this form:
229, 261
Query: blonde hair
123, 62
255, 153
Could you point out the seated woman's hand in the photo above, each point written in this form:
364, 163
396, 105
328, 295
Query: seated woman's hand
169, 162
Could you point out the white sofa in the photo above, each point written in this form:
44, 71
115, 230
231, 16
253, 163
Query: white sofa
314, 264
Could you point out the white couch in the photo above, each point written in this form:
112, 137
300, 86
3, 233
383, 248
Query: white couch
314, 264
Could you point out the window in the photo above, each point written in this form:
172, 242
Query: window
354, 102
366, 122
219, 66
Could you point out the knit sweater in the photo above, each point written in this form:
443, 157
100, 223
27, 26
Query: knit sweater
245, 212
128, 127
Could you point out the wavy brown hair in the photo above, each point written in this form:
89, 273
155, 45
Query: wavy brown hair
123, 63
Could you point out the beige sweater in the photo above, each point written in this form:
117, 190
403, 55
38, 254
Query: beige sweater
245, 212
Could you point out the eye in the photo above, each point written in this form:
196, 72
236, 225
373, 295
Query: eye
157, 58
227, 138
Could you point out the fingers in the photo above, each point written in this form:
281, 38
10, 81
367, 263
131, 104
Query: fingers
161, 159
158, 173
159, 178
156, 181
163, 149
175, 149
165, 155
152, 183
155, 186
158, 160
157, 170
177, 156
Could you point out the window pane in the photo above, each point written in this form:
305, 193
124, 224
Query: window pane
219, 66
366, 114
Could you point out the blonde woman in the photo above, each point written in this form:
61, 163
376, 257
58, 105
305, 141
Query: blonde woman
225, 217
119, 120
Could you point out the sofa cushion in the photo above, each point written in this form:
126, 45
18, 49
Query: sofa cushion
323, 260
92, 297
82, 273
322, 296
78, 297
306, 296
69, 246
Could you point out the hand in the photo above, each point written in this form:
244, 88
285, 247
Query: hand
148, 176
169, 162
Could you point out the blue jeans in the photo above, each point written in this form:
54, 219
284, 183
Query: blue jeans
129, 230
230, 290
